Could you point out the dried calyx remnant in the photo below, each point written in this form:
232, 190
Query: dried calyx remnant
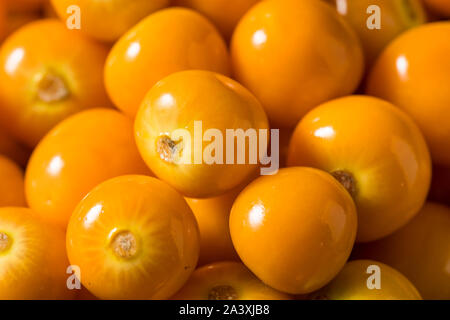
347, 180
222, 293
168, 149
124, 245
5, 242
51, 88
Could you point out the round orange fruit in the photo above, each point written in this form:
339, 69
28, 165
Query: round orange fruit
227, 281
376, 151
294, 55
78, 154
45, 79
183, 132
165, 42
133, 237
294, 230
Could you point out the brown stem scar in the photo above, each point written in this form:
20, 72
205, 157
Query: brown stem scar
124, 245
51, 88
222, 293
347, 180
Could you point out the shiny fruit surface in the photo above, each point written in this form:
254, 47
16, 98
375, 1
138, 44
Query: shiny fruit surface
212, 216
376, 151
199, 103
79, 153
227, 281
107, 20
420, 250
396, 16
294, 55
358, 281
294, 230
45, 79
33, 259
168, 41
140, 246
398, 76
11, 184
224, 13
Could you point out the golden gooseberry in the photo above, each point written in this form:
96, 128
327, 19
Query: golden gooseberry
420, 250
395, 17
294, 230
376, 151
182, 132
294, 55
413, 73
45, 79
107, 20
368, 280
11, 184
165, 42
133, 237
78, 154
33, 259
227, 281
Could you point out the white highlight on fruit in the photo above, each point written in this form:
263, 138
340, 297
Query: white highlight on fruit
13, 60
133, 50
55, 166
259, 38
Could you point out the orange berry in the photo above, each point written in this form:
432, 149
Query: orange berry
45, 79
352, 283
224, 13
168, 41
294, 55
414, 74
133, 237
107, 20
396, 16
78, 154
227, 281
11, 184
420, 250
181, 101
33, 259
294, 230
376, 151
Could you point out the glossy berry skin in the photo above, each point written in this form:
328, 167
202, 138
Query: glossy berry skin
352, 283
43, 80
227, 280
224, 13
396, 16
81, 152
294, 230
212, 215
378, 149
33, 259
294, 55
420, 250
108, 20
181, 100
133, 237
11, 184
398, 76
168, 41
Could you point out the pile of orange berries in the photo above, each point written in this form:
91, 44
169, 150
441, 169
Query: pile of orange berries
96, 204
